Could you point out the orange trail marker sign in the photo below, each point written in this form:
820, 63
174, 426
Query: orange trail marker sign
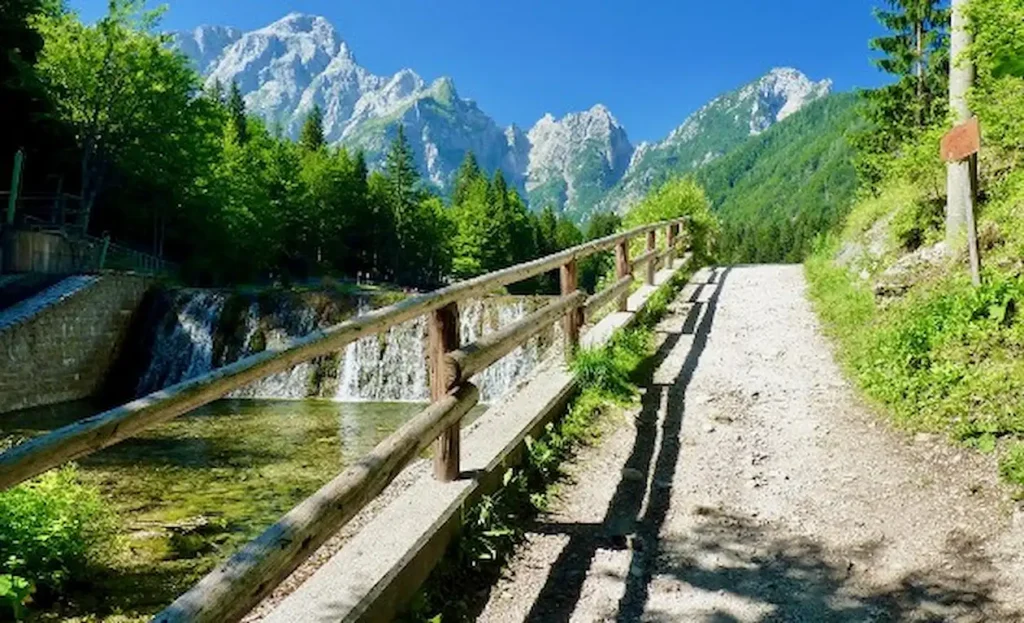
962, 142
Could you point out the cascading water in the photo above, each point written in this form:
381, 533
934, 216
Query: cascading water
393, 365
293, 384
199, 330
183, 344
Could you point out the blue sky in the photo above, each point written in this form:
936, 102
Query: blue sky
652, 62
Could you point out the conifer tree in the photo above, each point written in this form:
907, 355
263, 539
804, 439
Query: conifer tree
400, 170
468, 173
915, 51
236, 113
216, 91
915, 45
311, 138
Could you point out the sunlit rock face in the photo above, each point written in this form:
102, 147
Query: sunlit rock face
579, 163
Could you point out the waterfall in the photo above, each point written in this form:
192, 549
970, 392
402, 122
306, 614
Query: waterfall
292, 384
183, 343
392, 366
199, 330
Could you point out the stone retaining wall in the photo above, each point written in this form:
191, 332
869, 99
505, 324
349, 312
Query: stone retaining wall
60, 344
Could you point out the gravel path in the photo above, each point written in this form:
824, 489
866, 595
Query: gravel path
753, 485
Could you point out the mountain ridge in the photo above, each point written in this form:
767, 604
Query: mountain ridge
580, 163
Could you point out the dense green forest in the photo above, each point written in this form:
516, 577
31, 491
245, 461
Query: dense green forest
112, 114
779, 190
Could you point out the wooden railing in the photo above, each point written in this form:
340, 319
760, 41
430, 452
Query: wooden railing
231, 590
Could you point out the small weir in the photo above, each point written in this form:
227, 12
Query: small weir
194, 331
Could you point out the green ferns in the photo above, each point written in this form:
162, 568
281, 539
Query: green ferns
51, 528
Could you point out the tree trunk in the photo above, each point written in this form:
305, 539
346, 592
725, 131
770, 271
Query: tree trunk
919, 69
961, 77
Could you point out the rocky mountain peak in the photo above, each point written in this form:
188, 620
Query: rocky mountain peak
717, 127
205, 43
780, 93
301, 23
575, 158
580, 162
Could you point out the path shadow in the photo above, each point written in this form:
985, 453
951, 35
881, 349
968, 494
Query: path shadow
779, 576
794, 578
557, 599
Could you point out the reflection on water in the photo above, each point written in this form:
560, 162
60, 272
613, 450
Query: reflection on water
189, 492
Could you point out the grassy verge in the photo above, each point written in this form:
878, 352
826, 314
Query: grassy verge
944, 357
496, 524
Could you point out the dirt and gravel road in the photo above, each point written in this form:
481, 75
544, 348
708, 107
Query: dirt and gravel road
754, 485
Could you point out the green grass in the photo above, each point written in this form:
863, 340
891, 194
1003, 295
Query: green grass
945, 357
1011, 466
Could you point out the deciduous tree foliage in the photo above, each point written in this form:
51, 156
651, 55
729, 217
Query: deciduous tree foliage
179, 169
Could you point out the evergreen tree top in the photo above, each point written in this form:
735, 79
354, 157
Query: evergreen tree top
311, 138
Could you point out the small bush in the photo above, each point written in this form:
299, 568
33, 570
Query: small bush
679, 197
50, 529
916, 223
1011, 466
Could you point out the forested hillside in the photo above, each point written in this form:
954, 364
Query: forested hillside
720, 126
780, 189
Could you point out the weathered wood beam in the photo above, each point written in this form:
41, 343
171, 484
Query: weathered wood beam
228, 592
643, 259
573, 317
623, 269
470, 359
652, 248
615, 291
442, 337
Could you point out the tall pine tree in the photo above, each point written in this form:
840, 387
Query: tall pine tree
468, 173
236, 114
915, 52
915, 46
311, 138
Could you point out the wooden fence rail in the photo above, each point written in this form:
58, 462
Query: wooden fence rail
229, 591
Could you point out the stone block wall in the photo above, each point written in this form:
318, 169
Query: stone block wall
60, 344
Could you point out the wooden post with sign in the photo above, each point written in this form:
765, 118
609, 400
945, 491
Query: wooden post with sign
963, 143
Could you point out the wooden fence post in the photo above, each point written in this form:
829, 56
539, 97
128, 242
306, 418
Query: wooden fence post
652, 264
443, 336
670, 241
622, 269
573, 317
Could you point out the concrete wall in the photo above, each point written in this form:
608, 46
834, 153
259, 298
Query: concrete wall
60, 344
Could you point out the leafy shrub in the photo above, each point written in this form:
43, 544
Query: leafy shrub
998, 55
916, 223
50, 529
944, 358
675, 198
1011, 466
